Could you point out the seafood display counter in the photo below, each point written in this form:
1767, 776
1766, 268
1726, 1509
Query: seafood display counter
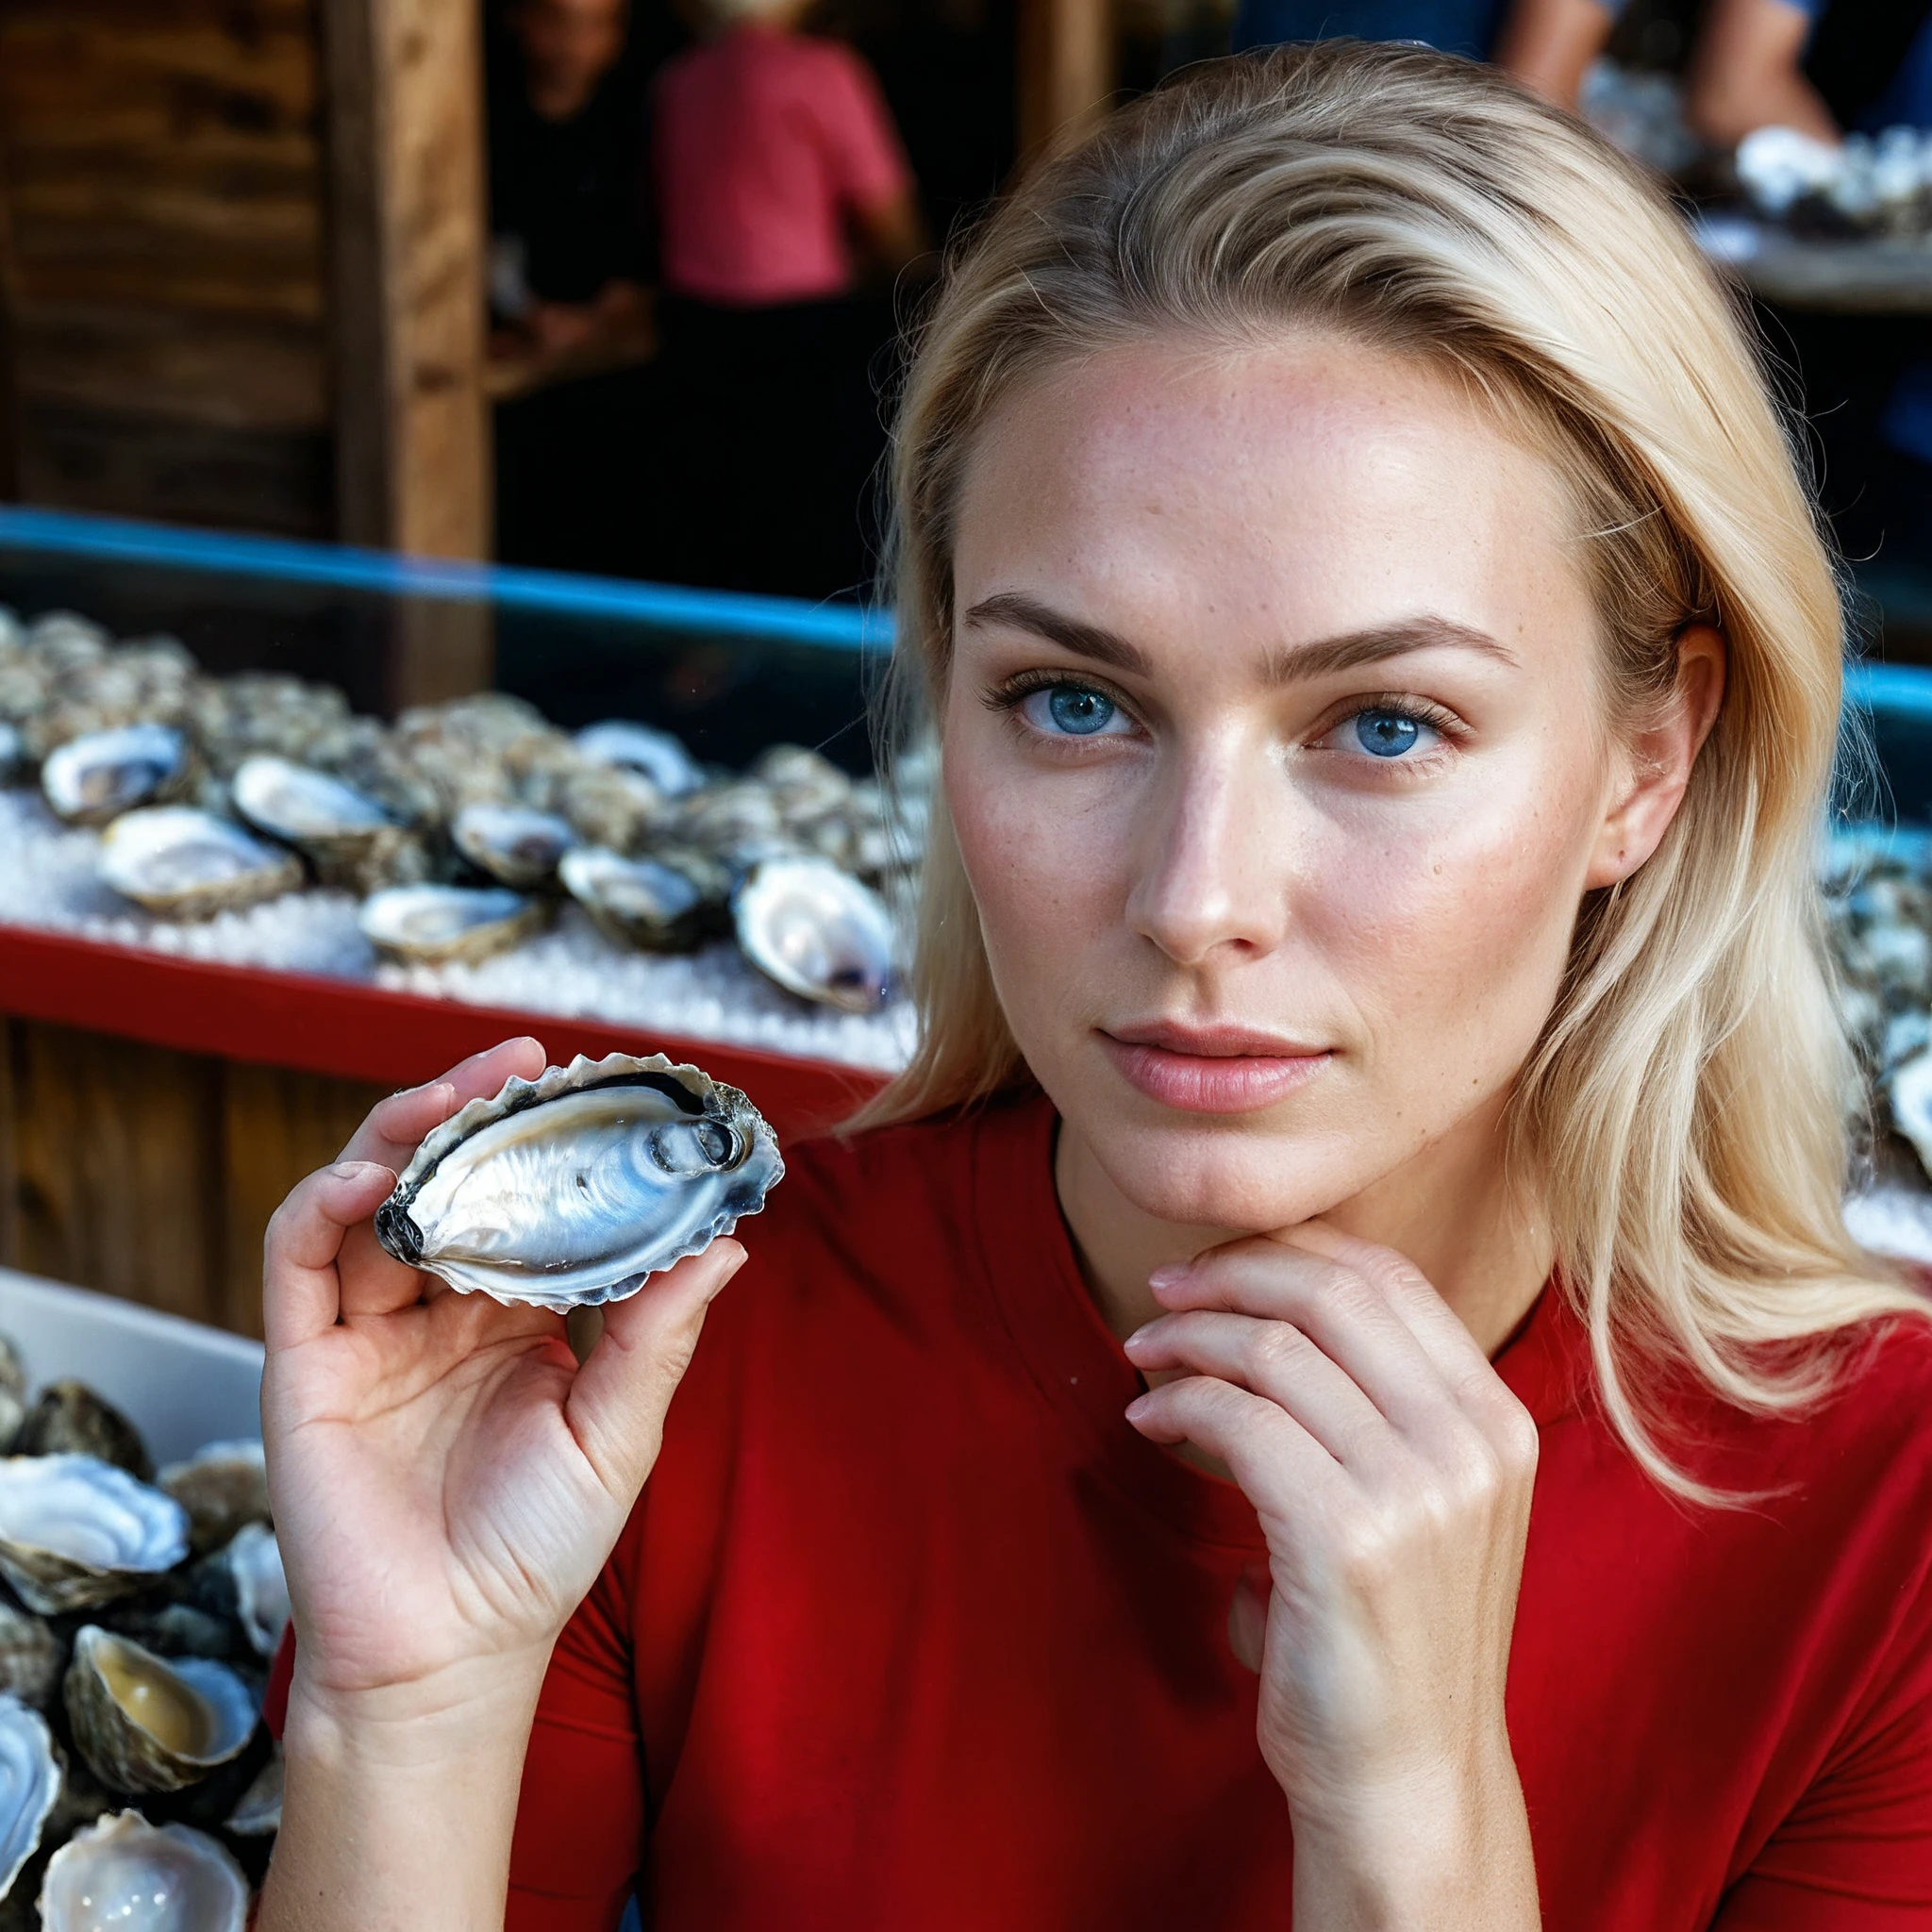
267, 850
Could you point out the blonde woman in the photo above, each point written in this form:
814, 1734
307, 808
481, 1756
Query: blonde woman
1335, 1392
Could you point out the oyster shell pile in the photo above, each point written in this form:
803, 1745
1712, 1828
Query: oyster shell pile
1866, 184
138, 1788
218, 793
570, 1190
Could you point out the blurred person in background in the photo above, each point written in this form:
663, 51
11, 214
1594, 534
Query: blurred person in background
1548, 44
1824, 67
565, 172
782, 193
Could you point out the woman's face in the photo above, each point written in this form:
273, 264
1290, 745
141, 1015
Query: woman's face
1275, 748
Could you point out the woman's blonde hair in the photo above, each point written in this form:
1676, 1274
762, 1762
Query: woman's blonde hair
1684, 1113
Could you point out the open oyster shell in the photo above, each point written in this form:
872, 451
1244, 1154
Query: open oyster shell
70, 1419
433, 924
124, 1875
657, 755
243, 1585
638, 902
570, 1190
222, 1485
30, 1783
100, 775
515, 846
817, 932
350, 838
150, 1723
76, 1531
183, 863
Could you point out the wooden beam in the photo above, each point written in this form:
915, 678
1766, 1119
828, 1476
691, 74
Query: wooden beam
407, 244
1066, 67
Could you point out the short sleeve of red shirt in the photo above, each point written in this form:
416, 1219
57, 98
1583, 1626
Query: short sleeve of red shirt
911, 1630
860, 144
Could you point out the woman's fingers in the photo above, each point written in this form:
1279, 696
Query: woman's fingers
1277, 1361
1346, 1314
301, 1296
1280, 1467
620, 1396
396, 1124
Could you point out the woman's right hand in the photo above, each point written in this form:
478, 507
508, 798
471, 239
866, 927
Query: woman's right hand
447, 1481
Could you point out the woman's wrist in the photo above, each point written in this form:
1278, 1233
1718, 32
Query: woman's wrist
1436, 1851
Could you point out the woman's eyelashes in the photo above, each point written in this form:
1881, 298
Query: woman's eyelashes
1065, 709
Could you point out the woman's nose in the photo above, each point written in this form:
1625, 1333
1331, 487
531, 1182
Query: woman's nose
1212, 857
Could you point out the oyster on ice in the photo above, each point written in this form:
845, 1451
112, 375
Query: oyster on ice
95, 777
657, 755
76, 1531
151, 1724
433, 924
30, 1783
817, 932
638, 902
182, 864
569, 1190
515, 846
349, 838
124, 1875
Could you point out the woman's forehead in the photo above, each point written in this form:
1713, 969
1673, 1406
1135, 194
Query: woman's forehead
1307, 489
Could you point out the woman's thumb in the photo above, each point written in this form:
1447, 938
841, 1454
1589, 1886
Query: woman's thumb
617, 1403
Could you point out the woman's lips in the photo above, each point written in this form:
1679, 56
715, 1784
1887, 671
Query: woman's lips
1212, 1070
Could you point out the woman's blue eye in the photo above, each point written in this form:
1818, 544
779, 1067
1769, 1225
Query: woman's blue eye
1385, 734
1073, 710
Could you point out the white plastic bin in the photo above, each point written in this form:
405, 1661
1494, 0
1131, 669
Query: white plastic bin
179, 1383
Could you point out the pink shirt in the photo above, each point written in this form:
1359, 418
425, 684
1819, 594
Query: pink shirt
766, 142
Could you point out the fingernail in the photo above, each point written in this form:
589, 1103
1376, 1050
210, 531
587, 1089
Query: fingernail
356, 1170
1138, 1336
1170, 1274
1138, 1408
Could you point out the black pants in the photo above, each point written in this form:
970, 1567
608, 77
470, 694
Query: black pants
766, 477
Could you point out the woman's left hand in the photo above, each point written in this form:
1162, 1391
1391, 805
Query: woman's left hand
1393, 1470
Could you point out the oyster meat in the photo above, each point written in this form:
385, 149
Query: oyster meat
433, 924
638, 902
124, 1875
570, 1190
515, 846
97, 777
30, 1783
182, 864
222, 1485
76, 1531
660, 756
150, 1723
817, 932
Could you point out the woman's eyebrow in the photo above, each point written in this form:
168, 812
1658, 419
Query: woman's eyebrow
1321, 658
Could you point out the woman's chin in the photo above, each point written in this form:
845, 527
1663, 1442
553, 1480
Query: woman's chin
1242, 1185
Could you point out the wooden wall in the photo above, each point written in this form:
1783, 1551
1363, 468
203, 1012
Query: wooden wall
150, 1174
162, 259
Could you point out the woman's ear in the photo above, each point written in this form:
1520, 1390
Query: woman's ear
1656, 767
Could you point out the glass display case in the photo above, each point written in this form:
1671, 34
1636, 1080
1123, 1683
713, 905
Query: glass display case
167, 1077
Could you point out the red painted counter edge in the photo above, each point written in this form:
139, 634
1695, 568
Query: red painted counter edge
354, 1030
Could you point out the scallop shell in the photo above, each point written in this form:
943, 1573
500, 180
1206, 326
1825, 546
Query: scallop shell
222, 1485
144, 1722
124, 1875
29, 1783
660, 756
817, 932
76, 1531
638, 902
432, 923
97, 777
515, 846
570, 1190
182, 864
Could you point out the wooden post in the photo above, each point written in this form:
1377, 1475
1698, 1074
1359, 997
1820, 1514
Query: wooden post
406, 273
1066, 66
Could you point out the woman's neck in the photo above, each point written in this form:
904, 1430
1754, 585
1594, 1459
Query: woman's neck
1451, 1210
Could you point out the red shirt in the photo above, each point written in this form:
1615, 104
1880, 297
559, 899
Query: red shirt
766, 143
911, 1630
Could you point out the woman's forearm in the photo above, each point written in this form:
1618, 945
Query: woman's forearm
398, 1805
